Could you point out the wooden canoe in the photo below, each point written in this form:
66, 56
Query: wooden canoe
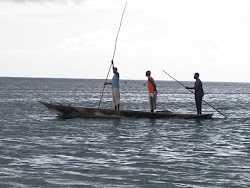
65, 111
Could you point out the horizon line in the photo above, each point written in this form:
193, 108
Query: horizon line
71, 78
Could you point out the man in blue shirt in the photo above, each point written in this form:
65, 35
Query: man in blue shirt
115, 88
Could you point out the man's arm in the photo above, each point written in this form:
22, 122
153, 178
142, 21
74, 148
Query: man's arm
196, 84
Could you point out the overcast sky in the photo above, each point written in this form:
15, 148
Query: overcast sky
76, 38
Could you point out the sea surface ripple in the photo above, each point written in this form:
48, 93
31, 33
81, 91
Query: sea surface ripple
40, 150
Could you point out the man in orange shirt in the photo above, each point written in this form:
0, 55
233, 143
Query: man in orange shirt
152, 91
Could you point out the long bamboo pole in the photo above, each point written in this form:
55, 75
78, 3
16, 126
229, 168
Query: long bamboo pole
194, 93
112, 61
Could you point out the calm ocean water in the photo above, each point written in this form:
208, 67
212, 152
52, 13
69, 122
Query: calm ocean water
39, 150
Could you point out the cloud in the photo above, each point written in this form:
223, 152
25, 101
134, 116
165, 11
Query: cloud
43, 1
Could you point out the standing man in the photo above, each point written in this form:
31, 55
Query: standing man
115, 88
198, 92
152, 91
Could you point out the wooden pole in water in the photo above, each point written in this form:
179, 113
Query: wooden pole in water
112, 63
194, 93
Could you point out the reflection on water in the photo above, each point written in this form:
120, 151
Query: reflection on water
116, 122
40, 150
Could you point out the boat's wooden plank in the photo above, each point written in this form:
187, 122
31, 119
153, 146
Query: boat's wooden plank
82, 112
